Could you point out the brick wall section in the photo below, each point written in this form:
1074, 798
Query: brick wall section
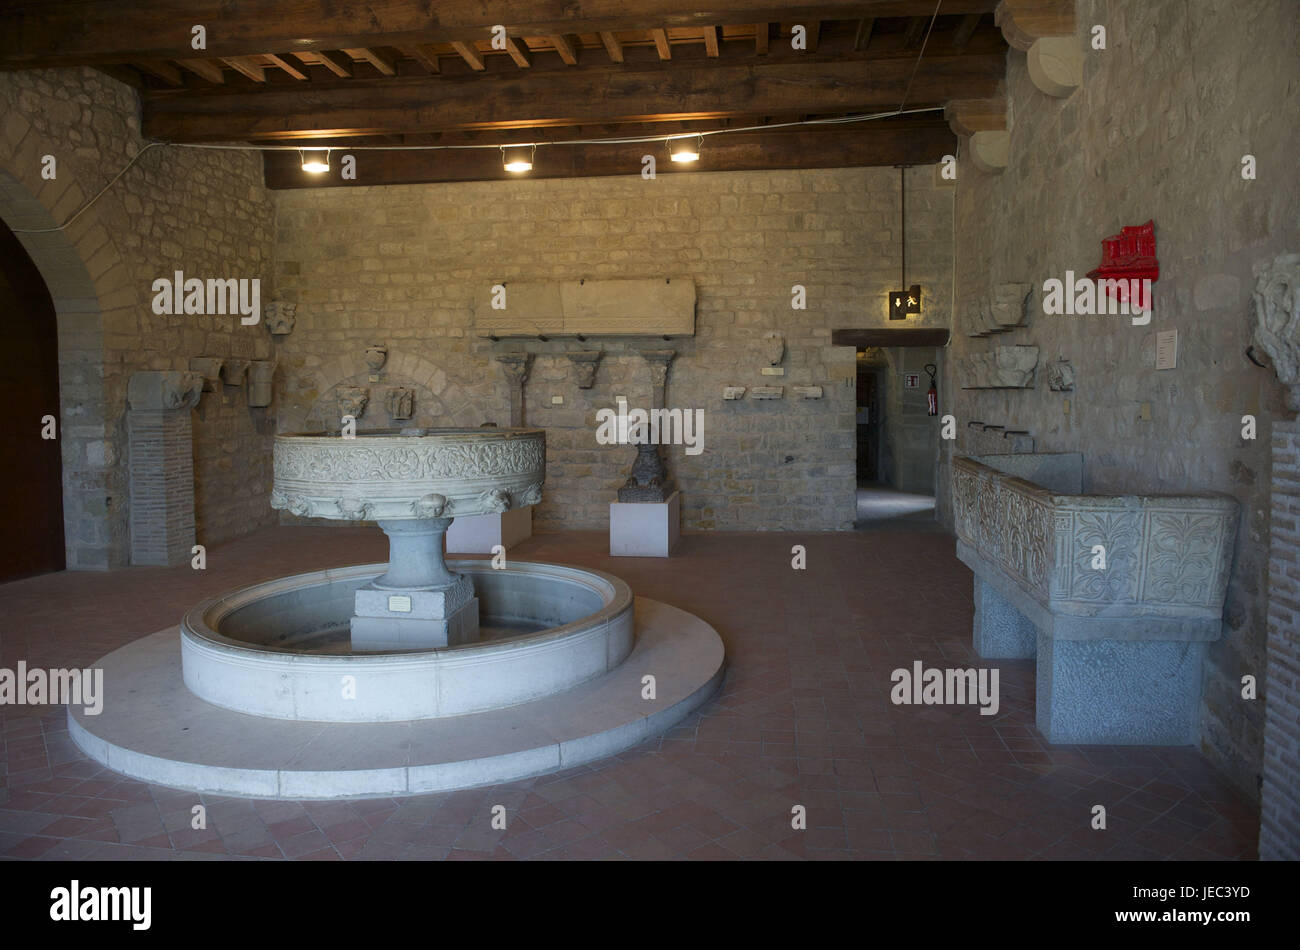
404, 265
161, 486
1145, 137
1279, 833
205, 213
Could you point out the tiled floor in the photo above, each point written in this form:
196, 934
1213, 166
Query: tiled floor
804, 718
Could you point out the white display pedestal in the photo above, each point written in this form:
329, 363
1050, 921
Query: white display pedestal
479, 534
645, 529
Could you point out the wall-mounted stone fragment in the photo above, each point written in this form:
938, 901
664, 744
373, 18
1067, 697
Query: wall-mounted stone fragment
209, 367
767, 392
808, 392
585, 363
1060, 376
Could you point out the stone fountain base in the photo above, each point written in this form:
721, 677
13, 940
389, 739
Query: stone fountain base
154, 729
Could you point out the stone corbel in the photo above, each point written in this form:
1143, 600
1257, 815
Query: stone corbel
209, 367
233, 371
990, 151
585, 363
261, 375
985, 122
1025, 21
515, 366
1056, 65
160, 391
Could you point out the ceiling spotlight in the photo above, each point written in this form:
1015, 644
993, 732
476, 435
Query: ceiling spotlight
684, 150
315, 159
518, 159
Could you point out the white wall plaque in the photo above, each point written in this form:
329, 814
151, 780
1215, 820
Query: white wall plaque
399, 603
1167, 349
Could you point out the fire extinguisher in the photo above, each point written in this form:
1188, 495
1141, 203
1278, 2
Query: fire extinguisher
932, 397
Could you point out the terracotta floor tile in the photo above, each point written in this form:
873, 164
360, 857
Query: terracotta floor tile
803, 717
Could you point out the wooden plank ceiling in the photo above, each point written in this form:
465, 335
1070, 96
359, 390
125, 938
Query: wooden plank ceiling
409, 72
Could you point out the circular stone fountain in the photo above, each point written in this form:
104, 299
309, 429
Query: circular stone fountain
455, 674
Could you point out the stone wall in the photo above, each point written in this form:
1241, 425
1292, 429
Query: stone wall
405, 265
1157, 131
205, 213
1279, 833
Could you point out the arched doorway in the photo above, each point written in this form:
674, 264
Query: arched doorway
31, 478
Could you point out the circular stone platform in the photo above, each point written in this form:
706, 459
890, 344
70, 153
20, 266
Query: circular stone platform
154, 729
255, 650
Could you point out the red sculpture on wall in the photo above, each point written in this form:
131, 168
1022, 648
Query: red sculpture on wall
1128, 265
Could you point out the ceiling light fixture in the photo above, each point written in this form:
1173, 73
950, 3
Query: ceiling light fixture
684, 150
516, 159
315, 160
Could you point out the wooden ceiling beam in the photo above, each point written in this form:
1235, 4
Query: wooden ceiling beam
469, 52
164, 71
337, 63
612, 46
862, 38
968, 24
284, 64
968, 116
662, 45
52, 33
814, 35
423, 55
915, 32
250, 69
519, 52
1023, 21
568, 97
566, 47
711, 41
380, 61
206, 68
873, 144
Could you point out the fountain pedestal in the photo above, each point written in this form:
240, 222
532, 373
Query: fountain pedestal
418, 603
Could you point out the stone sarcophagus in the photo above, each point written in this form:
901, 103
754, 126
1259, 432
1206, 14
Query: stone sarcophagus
1115, 595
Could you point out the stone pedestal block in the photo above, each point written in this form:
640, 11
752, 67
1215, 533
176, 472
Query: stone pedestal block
1001, 631
1119, 692
479, 534
644, 529
387, 619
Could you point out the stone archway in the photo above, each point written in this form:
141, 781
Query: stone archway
310, 405
88, 285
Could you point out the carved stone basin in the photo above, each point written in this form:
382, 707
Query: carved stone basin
413, 482
392, 474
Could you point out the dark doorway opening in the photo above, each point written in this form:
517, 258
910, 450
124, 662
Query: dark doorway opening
31, 476
897, 439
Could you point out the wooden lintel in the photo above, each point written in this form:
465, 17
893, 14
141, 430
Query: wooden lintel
908, 336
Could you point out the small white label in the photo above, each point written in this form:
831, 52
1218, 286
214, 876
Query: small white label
557, 400
1167, 349
773, 371
399, 603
